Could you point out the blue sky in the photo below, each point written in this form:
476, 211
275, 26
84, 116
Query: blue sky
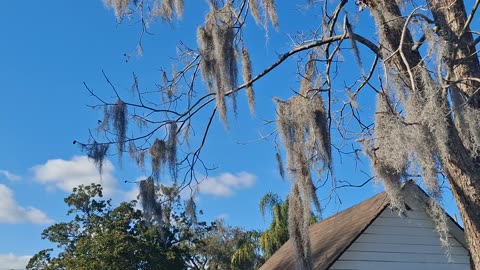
49, 48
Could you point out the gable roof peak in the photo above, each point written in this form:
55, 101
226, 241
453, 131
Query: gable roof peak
330, 237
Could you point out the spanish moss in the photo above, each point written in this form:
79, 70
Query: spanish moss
247, 76
389, 159
219, 63
171, 150
97, 152
119, 114
120, 7
158, 152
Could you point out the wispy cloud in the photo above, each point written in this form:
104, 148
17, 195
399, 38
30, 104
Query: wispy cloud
132, 194
11, 212
11, 261
226, 184
10, 176
67, 174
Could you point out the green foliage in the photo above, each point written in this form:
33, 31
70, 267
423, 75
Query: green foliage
225, 247
102, 237
42, 261
277, 233
248, 254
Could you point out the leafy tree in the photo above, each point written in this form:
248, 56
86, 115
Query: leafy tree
102, 237
426, 119
225, 247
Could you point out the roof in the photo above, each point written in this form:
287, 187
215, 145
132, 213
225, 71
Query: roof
332, 236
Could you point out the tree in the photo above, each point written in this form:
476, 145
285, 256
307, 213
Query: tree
277, 233
427, 95
248, 254
225, 247
102, 237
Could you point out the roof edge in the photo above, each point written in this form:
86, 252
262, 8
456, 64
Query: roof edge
454, 227
380, 211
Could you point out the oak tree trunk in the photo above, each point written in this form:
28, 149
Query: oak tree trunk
465, 181
461, 168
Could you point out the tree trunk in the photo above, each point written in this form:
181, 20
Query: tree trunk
461, 168
465, 187
450, 17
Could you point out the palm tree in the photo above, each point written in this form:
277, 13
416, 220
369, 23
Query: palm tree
277, 233
256, 247
248, 255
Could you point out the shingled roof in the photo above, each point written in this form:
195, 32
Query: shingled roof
332, 236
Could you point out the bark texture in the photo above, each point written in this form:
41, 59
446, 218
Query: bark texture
461, 167
465, 181
450, 18
460, 63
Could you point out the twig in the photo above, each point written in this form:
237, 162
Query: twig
470, 18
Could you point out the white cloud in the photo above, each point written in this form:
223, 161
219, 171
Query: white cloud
11, 261
131, 194
10, 176
226, 184
11, 212
67, 174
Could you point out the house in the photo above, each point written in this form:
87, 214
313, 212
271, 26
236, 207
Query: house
370, 235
